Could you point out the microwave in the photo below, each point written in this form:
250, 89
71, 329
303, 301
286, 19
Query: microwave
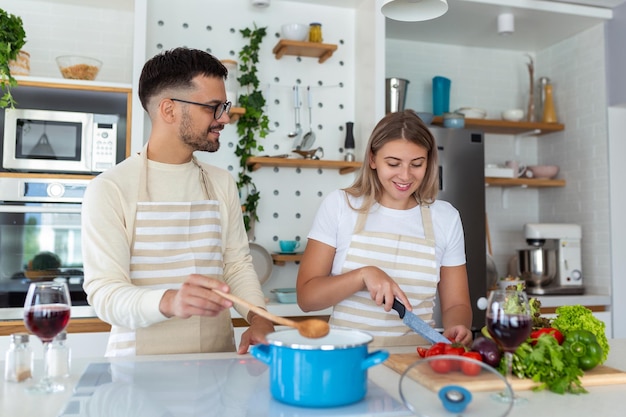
59, 141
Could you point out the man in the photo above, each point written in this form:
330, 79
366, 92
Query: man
161, 230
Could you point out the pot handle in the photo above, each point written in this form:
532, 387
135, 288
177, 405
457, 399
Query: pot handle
262, 353
374, 358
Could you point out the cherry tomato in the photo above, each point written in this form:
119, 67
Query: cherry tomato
436, 349
441, 366
454, 349
422, 351
470, 368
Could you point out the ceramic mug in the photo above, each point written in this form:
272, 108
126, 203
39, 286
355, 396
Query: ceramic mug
518, 169
289, 245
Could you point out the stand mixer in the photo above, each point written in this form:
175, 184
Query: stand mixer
552, 263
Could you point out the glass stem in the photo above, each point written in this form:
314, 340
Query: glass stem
45, 380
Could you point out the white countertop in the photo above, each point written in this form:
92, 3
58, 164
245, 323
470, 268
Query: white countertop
15, 402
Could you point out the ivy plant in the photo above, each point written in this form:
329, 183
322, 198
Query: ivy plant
12, 38
253, 124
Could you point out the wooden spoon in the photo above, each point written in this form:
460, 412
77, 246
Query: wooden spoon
311, 328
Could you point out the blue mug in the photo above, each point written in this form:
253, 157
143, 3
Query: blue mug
289, 245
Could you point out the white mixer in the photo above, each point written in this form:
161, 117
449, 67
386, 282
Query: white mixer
552, 263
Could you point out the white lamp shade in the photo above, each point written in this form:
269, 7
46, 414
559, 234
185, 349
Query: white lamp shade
414, 10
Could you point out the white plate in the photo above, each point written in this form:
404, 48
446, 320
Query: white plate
262, 261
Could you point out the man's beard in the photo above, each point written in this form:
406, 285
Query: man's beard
196, 141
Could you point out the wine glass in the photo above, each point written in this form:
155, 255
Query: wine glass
46, 314
509, 322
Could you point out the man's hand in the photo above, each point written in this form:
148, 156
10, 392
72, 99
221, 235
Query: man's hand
195, 298
259, 328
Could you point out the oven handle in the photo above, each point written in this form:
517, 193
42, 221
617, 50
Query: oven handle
38, 209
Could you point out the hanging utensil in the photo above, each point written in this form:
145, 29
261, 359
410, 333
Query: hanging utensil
297, 133
309, 137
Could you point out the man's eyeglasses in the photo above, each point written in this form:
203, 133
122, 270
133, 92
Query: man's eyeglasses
218, 109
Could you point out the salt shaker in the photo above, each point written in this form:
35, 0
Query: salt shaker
19, 359
58, 357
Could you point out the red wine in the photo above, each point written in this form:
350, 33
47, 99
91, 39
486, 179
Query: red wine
509, 330
47, 320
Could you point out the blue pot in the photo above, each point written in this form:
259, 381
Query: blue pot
327, 372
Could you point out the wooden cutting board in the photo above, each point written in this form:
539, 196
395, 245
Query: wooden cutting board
600, 375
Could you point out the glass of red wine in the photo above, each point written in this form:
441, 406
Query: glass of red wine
509, 322
46, 314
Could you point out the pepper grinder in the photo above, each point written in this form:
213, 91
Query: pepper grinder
349, 143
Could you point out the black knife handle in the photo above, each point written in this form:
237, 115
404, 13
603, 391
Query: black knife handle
399, 307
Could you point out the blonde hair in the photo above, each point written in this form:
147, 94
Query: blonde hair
395, 126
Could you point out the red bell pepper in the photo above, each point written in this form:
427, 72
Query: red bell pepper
546, 330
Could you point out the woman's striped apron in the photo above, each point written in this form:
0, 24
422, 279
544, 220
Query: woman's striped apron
410, 262
171, 241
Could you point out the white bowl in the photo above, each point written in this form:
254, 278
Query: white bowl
295, 31
513, 115
472, 112
543, 171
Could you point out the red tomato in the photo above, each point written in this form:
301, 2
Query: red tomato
441, 366
454, 349
469, 368
436, 349
422, 351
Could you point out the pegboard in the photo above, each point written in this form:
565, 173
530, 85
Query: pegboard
289, 196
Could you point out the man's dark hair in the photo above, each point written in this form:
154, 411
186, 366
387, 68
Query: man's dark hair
175, 69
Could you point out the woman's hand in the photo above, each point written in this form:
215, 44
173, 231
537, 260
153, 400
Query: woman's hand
382, 288
459, 334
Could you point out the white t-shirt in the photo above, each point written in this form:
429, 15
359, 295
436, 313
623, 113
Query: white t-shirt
335, 221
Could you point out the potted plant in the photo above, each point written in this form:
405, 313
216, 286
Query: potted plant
252, 125
12, 38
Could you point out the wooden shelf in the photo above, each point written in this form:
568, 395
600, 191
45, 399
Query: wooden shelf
282, 258
524, 182
322, 51
504, 127
344, 167
235, 113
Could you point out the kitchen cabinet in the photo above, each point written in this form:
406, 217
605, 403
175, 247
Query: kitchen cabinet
322, 51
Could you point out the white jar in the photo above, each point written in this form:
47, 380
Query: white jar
19, 359
58, 357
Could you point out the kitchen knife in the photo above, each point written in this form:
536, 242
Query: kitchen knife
418, 325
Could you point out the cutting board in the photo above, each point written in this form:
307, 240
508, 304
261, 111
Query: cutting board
600, 375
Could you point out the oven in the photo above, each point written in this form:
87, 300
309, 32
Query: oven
40, 236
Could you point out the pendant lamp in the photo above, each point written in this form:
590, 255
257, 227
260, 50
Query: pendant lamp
414, 10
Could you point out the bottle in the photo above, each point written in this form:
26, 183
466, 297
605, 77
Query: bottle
315, 32
19, 359
58, 357
549, 113
543, 81
349, 143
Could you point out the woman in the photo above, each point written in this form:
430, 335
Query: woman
387, 237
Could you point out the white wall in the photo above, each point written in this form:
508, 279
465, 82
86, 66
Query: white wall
497, 80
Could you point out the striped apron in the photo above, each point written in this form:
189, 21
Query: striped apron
171, 241
410, 262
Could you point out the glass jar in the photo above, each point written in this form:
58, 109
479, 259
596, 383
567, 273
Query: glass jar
58, 357
315, 32
19, 359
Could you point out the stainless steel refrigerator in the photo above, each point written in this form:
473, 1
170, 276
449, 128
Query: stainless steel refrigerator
462, 183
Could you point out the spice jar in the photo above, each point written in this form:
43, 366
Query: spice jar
18, 359
58, 357
315, 32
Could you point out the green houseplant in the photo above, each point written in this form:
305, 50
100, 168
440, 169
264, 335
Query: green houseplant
12, 38
253, 124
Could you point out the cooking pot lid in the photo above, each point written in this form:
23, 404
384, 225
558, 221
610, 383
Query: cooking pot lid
336, 339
